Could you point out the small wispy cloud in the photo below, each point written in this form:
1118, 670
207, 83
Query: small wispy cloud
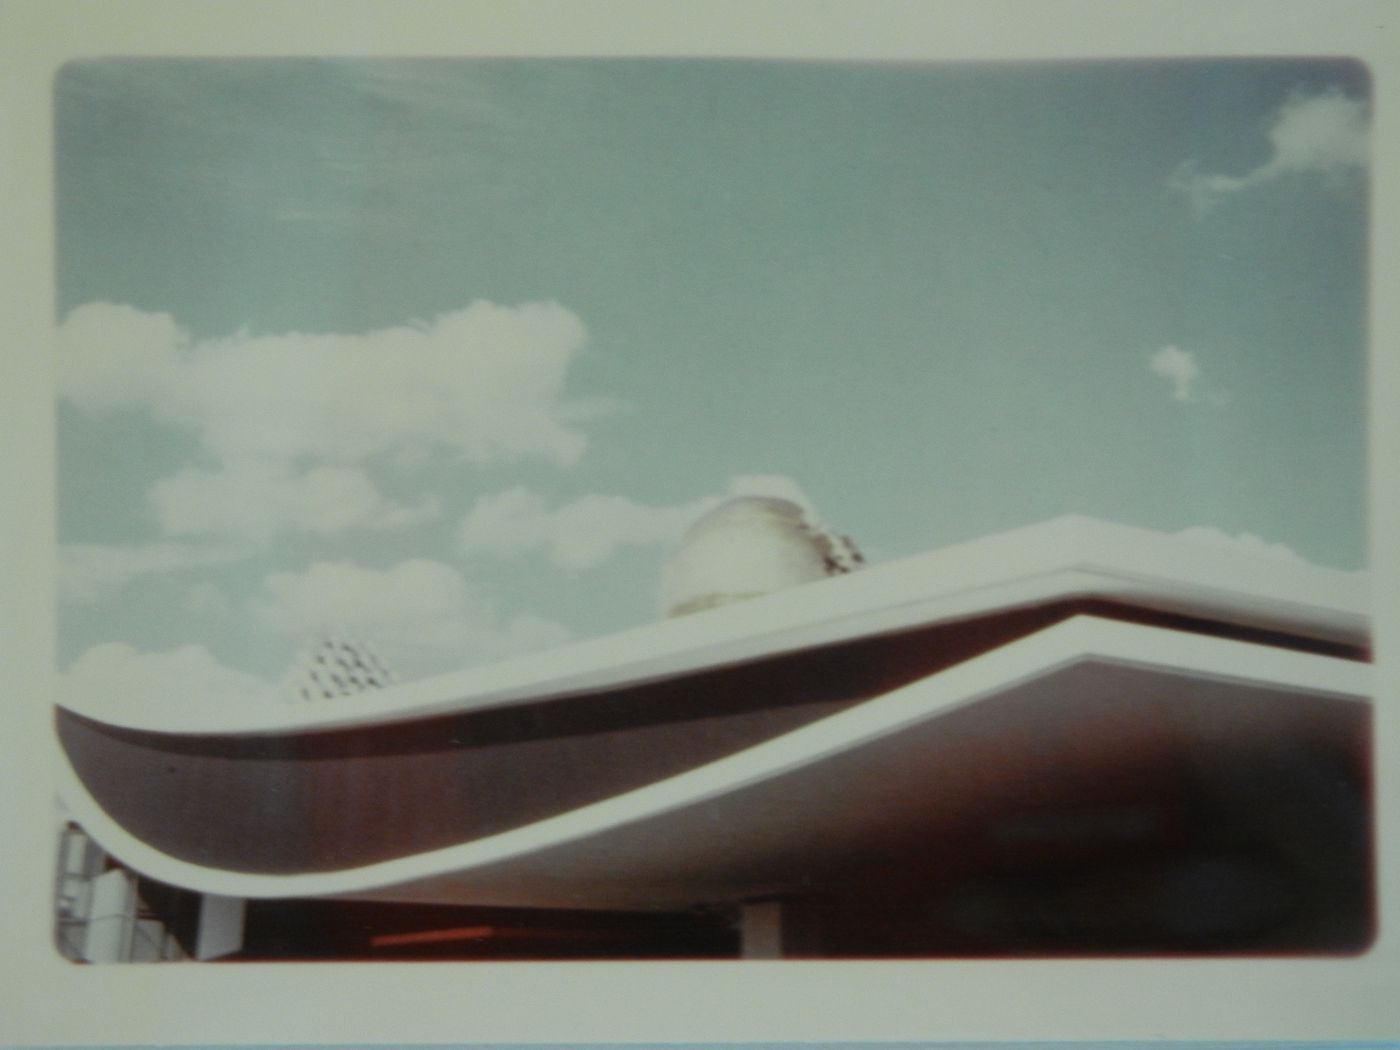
1241, 542
423, 615
580, 534
415, 85
253, 502
90, 572
115, 677
1178, 367
1324, 134
590, 530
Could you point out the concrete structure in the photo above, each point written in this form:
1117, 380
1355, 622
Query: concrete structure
1072, 738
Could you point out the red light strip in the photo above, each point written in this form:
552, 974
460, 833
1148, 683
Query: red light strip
458, 933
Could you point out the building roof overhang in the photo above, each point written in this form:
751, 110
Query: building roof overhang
1066, 558
1073, 703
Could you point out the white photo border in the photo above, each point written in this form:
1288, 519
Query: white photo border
45, 1000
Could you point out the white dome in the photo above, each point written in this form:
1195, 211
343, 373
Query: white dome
747, 546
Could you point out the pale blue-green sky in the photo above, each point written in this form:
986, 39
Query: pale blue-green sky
940, 300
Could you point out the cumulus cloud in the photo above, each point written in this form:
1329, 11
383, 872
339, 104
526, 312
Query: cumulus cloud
418, 612
1243, 542
113, 356
205, 599
1324, 134
89, 572
1178, 367
254, 501
114, 677
590, 530
486, 382
578, 535
287, 422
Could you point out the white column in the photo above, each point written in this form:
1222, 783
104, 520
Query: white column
761, 930
111, 919
220, 927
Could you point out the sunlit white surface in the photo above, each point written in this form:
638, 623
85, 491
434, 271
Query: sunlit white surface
611, 843
1061, 559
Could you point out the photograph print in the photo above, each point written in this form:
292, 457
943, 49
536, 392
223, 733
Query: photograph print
576, 509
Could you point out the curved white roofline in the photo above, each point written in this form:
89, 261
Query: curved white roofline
1077, 640
1066, 558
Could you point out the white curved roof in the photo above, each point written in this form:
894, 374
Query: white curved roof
1065, 558
810, 796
